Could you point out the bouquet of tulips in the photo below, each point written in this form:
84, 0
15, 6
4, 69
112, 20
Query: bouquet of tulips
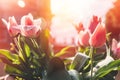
31, 56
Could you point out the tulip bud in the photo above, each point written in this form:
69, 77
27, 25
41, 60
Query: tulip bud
84, 38
30, 27
12, 26
98, 38
93, 23
116, 48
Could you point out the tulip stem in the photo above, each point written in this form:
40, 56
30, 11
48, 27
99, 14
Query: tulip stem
91, 59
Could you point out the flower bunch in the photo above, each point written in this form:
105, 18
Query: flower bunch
28, 27
31, 56
30, 47
96, 51
94, 35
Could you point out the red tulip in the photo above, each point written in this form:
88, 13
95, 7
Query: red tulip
79, 27
94, 35
116, 48
93, 23
98, 37
12, 26
84, 38
30, 27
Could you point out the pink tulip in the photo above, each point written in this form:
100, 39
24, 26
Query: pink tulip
95, 39
27, 20
93, 23
98, 37
116, 48
84, 38
12, 26
30, 27
79, 27
94, 35
114, 45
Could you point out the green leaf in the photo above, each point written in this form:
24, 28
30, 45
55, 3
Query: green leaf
63, 51
13, 71
114, 65
27, 50
9, 55
24, 49
20, 46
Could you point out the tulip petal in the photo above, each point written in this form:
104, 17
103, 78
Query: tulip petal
93, 23
116, 48
118, 45
12, 26
12, 21
30, 27
37, 22
4, 21
114, 45
30, 31
98, 38
84, 38
118, 52
79, 27
27, 20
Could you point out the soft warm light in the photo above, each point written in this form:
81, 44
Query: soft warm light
68, 13
6, 4
80, 8
70, 7
21, 3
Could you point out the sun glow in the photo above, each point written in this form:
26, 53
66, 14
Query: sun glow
21, 3
70, 7
80, 7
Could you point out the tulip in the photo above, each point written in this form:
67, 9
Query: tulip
79, 27
30, 27
95, 39
116, 48
93, 23
27, 20
12, 26
98, 37
94, 35
84, 38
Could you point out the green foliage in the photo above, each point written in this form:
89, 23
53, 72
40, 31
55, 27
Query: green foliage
12, 57
114, 65
62, 51
26, 63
